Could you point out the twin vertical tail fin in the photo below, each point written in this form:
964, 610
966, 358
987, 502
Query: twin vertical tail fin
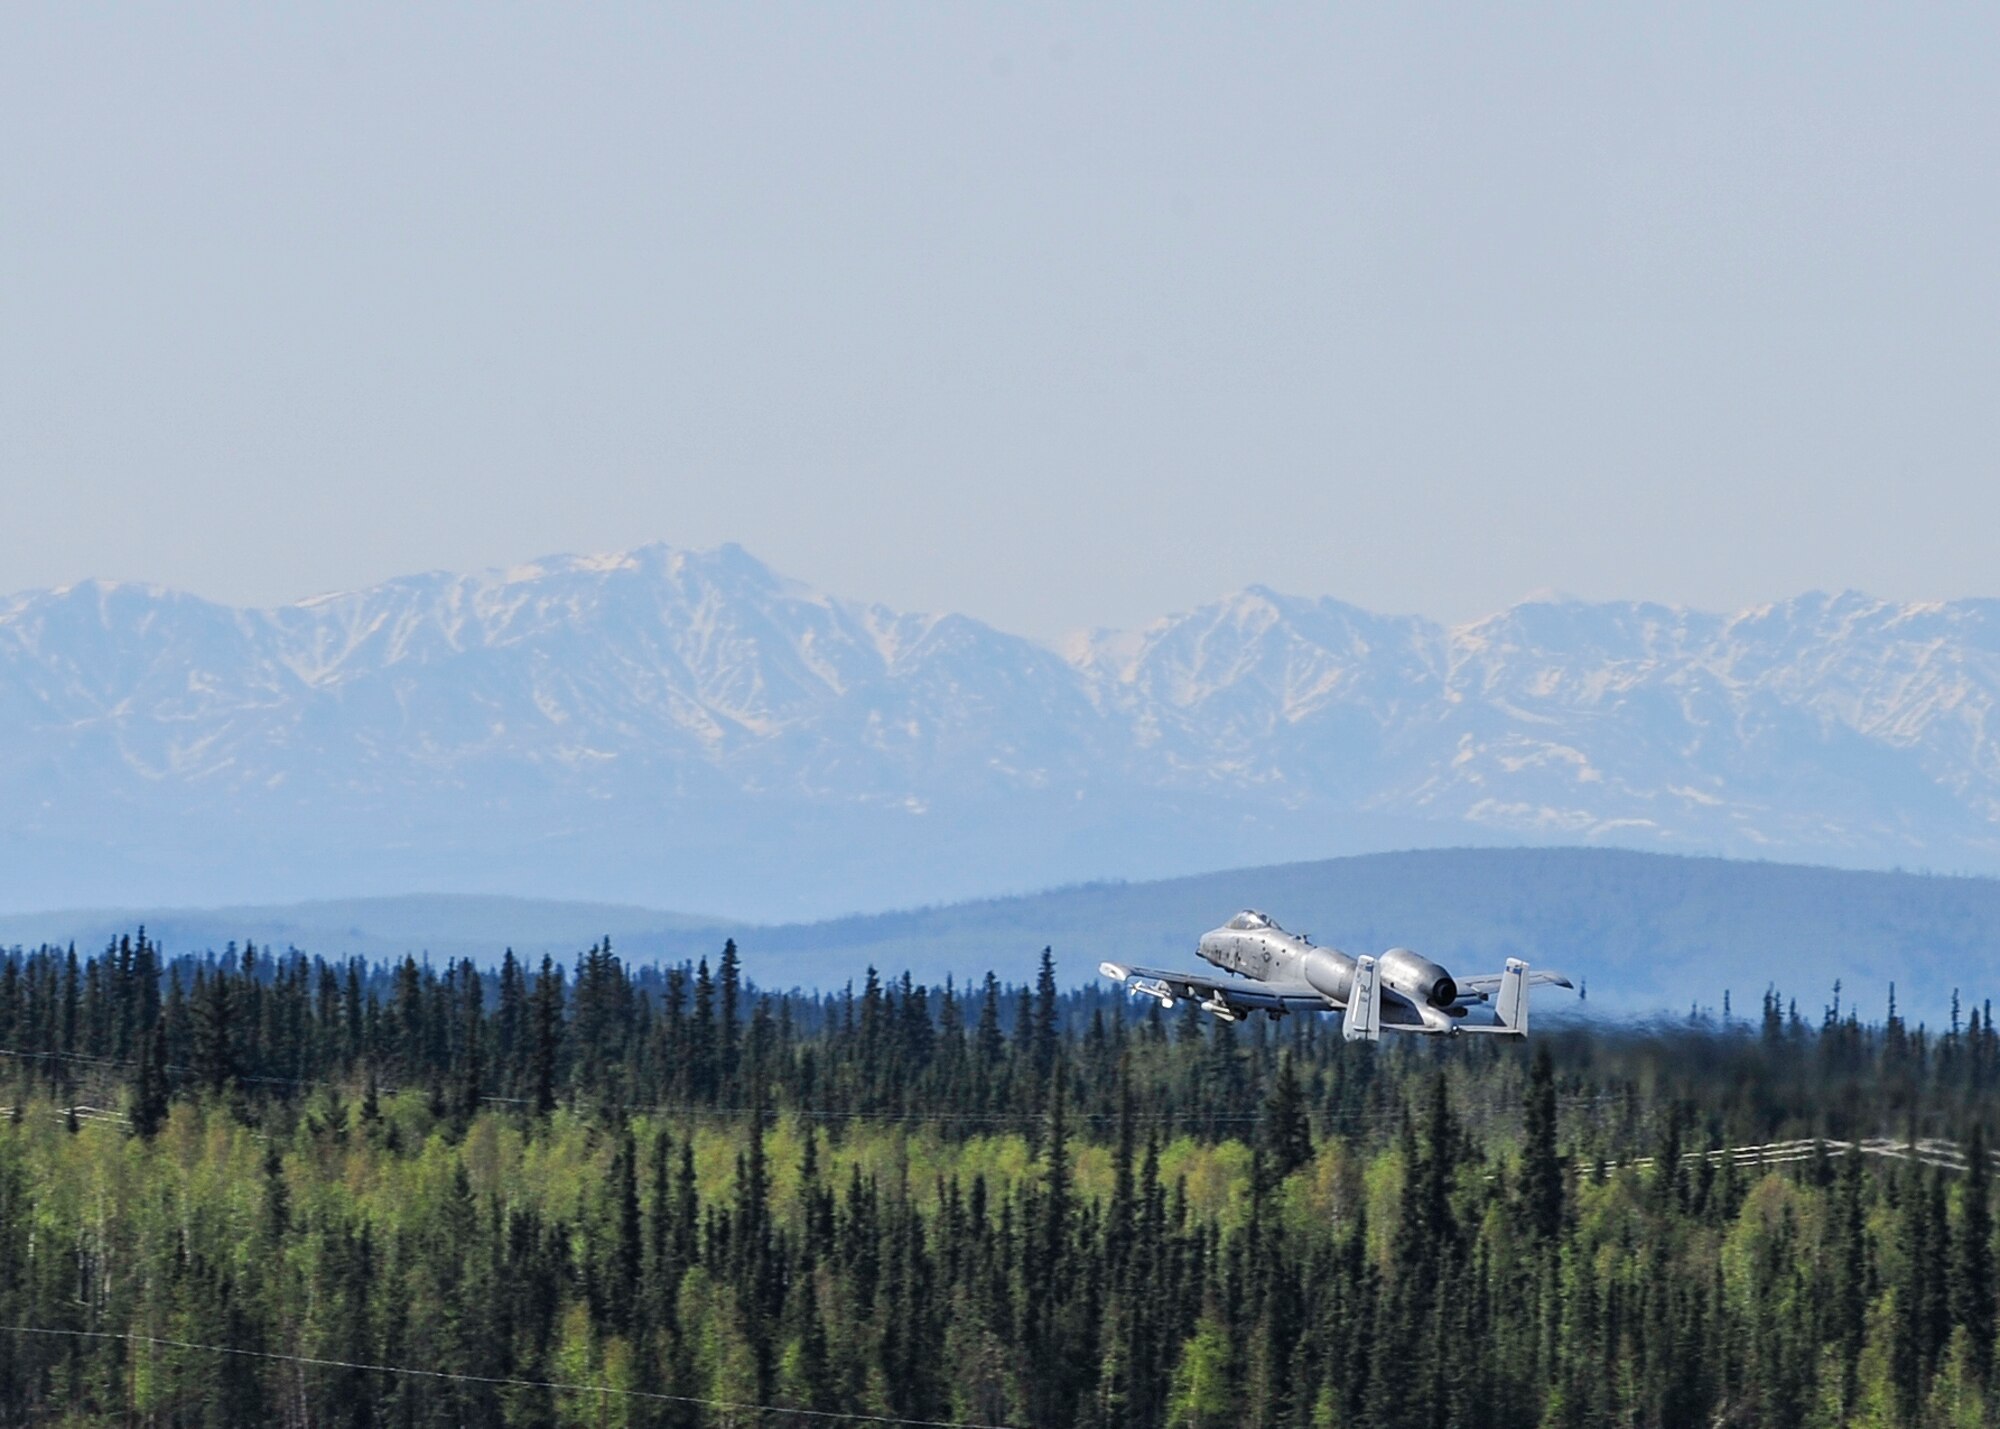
1363, 1019
1510, 1006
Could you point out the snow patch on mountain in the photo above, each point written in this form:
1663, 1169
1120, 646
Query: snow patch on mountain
687, 695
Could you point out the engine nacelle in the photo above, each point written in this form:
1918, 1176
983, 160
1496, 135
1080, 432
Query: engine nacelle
1329, 974
1418, 978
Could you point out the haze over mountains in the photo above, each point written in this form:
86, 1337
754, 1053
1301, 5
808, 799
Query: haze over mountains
691, 730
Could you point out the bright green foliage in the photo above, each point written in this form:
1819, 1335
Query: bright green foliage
604, 1196
1202, 1394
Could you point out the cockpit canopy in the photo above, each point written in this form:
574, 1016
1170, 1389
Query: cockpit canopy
1251, 921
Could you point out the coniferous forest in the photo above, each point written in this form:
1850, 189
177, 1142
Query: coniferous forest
255, 1188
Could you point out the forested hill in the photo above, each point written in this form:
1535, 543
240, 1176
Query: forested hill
276, 1190
1647, 931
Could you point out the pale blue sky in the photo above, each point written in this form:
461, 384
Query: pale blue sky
1056, 317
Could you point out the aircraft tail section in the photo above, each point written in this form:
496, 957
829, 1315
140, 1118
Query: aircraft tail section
1363, 1019
1510, 1004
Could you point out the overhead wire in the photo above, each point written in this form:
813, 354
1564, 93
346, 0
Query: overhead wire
508, 1381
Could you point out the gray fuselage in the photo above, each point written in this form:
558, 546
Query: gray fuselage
1251, 945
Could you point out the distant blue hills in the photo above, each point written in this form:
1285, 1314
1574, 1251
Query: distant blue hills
573, 744
1645, 932
689, 729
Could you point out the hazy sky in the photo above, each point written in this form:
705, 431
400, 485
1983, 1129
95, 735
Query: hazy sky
1056, 317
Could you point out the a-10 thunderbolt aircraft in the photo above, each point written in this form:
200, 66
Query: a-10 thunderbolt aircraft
1280, 972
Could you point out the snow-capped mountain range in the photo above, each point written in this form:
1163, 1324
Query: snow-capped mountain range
689, 728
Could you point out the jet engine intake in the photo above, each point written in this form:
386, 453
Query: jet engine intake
1418, 978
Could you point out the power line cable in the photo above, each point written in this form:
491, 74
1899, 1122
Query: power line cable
504, 1381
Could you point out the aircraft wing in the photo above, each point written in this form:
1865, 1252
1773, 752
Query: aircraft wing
1490, 982
1236, 991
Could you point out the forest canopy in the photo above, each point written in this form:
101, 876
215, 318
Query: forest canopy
258, 1187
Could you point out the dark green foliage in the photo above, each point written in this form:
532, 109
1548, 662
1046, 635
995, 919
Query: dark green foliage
547, 1047
149, 1091
1043, 1210
1972, 1270
1285, 1137
215, 1032
1541, 1165
470, 1052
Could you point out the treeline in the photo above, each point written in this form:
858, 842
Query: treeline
267, 1188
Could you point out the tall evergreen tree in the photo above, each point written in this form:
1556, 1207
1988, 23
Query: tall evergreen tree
626, 1265
702, 1053
150, 1093
213, 1014
1972, 1269
548, 1007
1541, 1167
729, 988
1044, 1046
471, 1086
1284, 1134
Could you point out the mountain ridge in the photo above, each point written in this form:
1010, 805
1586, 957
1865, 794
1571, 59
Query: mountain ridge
692, 727
1646, 933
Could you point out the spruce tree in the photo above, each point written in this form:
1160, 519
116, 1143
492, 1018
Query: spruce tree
472, 1050
1910, 1347
149, 1094
510, 1026
702, 1055
548, 1000
1044, 1047
661, 1280
988, 1040
1851, 1263
1541, 1167
627, 1251
729, 985
1284, 1134
1937, 1276
215, 1061
1972, 1269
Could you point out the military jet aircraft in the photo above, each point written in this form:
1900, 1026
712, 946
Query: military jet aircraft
1279, 972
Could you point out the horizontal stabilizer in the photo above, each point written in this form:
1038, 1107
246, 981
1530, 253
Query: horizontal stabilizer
1510, 1002
1484, 985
